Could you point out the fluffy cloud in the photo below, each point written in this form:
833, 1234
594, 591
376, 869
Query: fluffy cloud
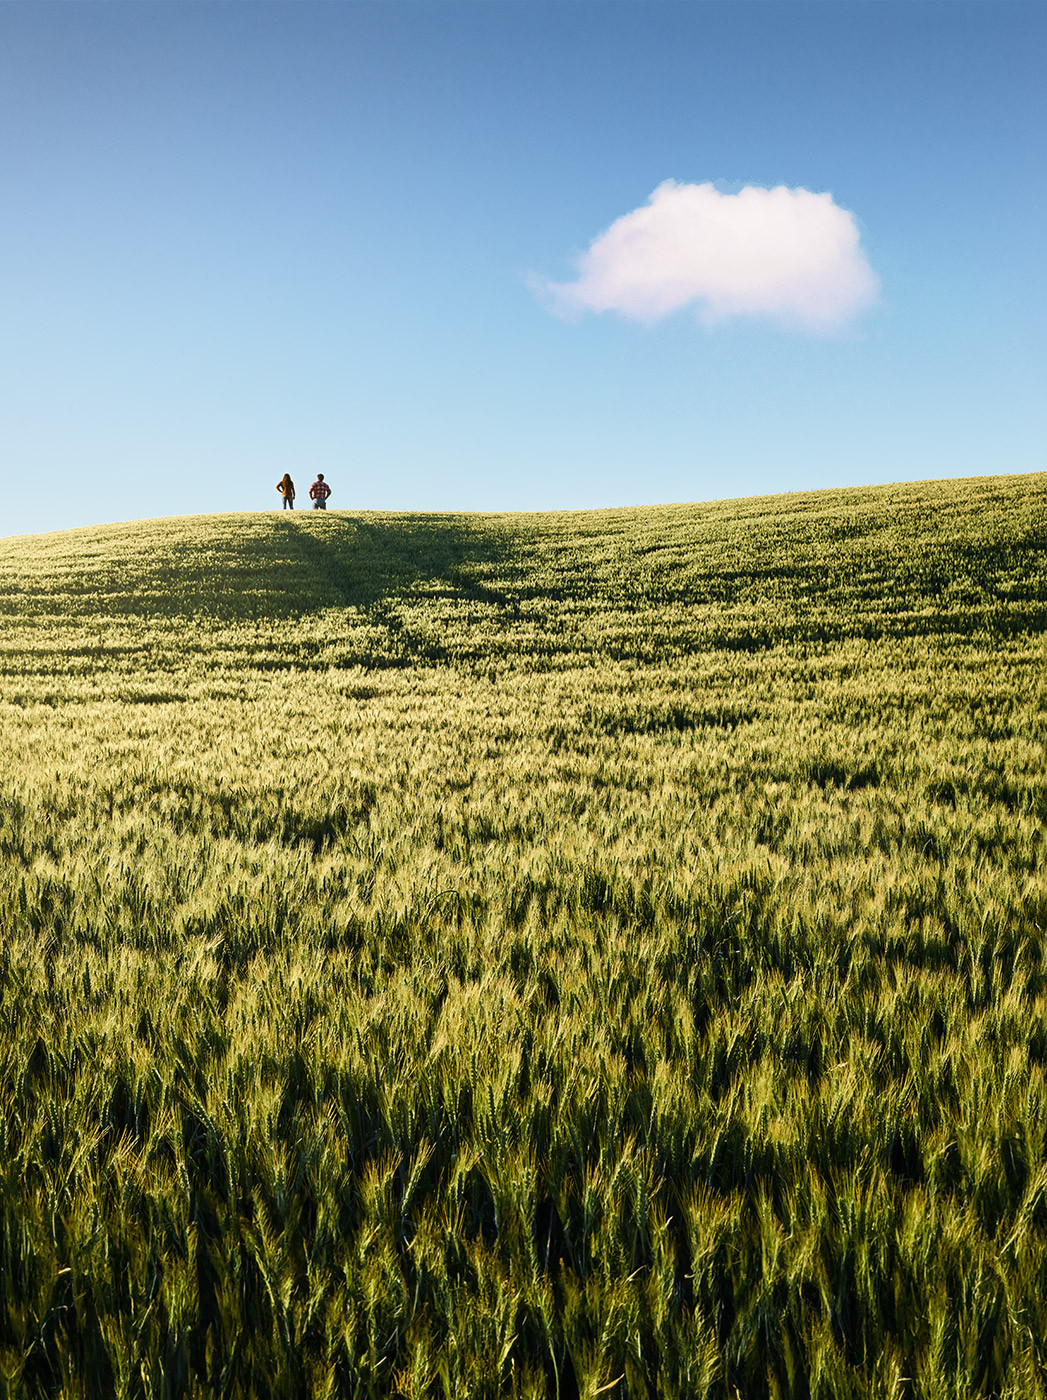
789, 255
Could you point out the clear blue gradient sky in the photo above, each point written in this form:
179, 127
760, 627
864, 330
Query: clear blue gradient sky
244, 238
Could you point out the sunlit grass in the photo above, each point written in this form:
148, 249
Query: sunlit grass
528, 955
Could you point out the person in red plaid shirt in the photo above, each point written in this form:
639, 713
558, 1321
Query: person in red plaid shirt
319, 492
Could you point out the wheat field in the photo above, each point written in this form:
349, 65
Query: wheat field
556, 955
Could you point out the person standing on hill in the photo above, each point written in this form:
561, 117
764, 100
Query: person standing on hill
286, 489
319, 492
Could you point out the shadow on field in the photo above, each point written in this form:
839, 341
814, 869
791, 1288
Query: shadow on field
264, 567
360, 562
402, 575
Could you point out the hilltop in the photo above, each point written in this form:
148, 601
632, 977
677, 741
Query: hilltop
927, 559
598, 952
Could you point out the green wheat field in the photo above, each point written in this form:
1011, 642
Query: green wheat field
528, 955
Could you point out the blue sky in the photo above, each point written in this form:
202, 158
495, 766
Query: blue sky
247, 238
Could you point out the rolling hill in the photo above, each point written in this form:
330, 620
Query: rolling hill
557, 954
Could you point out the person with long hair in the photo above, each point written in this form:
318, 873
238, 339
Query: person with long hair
286, 489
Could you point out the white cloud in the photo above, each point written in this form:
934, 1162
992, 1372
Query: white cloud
789, 255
